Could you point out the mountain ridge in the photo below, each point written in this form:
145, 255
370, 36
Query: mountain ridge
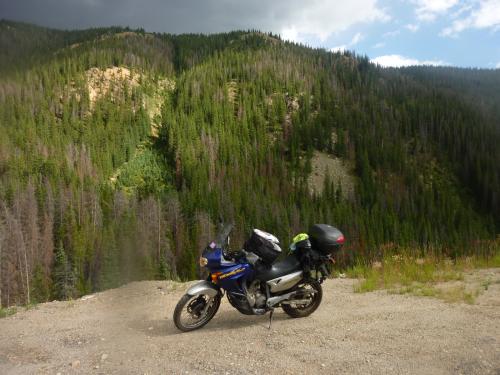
227, 143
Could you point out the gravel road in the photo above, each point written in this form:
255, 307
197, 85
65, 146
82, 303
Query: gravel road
129, 330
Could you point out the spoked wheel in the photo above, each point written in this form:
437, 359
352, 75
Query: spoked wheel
306, 301
194, 312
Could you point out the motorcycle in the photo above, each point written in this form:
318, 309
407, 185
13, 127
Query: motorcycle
255, 282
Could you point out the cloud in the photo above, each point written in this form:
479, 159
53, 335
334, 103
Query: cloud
294, 19
498, 65
291, 34
412, 27
399, 61
342, 48
355, 40
378, 45
428, 10
321, 19
485, 16
464, 8
391, 34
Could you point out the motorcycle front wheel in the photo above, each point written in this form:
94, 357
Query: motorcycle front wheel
193, 312
306, 301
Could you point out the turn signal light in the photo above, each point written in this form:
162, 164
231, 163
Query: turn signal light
215, 276
203, 261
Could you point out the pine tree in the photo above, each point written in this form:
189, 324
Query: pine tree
63, 275
40, 285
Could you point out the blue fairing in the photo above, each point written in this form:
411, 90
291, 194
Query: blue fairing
231, 273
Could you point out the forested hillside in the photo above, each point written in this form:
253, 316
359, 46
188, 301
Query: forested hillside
120, 149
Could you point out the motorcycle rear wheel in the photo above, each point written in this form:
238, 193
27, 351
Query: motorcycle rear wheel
303, 310
193, 312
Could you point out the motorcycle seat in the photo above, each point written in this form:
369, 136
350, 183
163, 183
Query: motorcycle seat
283, 267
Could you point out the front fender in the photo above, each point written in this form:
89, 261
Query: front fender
203, 287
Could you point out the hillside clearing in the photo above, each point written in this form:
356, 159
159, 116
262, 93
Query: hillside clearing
337, 169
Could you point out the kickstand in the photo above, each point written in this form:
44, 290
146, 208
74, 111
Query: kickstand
270, 318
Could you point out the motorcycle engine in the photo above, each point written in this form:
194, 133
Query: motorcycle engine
255, 296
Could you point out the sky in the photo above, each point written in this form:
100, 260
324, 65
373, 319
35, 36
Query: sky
463, 33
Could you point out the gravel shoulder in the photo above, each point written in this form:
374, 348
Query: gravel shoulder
129, 330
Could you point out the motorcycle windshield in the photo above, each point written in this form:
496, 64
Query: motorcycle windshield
222, 235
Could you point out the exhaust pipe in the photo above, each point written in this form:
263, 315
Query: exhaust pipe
273, 301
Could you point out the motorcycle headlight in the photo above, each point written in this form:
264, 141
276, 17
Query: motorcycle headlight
203, 261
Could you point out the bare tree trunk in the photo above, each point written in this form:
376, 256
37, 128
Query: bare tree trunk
26, 268
27, 277
20, 267
1, 280
94, 215
8, 292
28, 219
8, 256
80, 204
159, 231
22, 244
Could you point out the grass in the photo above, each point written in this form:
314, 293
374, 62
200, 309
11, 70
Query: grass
7, 311
457, 293
428, 277
403, 271
486, 284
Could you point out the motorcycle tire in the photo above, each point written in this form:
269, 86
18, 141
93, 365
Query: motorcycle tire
302, 312
185, 302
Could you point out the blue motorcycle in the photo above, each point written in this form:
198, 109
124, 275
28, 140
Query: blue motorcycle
255, 282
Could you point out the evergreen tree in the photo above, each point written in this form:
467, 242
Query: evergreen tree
130, 173
63, 275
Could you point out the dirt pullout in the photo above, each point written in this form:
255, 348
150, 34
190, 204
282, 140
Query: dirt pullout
129, 330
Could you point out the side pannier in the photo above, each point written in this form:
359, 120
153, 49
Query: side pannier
264, 244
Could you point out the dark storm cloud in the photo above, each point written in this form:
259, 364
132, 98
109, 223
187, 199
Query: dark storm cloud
174, 16
294, 19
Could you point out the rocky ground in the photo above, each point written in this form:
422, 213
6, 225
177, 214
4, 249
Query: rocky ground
129, 330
